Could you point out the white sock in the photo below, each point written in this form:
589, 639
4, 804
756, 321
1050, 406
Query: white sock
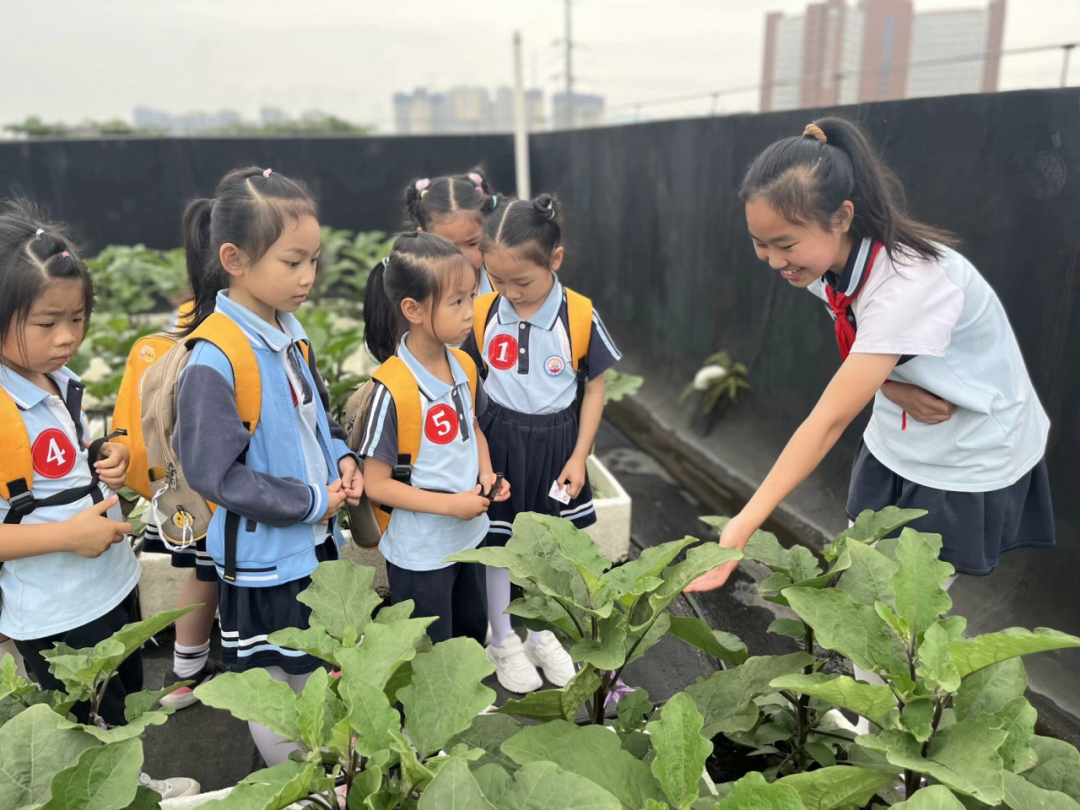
498, 598
272, 746
538, 637
187, 661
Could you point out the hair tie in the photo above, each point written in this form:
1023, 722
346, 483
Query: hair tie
477, 179
421, 185
814, 131
551, 209
480, 189
385, 262
267, 173
40, 231
494, 201
65, 254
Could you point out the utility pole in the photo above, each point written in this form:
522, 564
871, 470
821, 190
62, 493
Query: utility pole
570, 122
521, 126
1066, 52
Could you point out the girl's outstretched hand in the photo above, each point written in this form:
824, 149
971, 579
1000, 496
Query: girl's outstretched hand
352, 480
735, 535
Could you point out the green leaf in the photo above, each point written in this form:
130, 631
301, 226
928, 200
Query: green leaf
632, 708
269, 789
133, 728
1021, 794
389, 614
681, 750
318, 710
726, 698
35, 746
842, 624
872, 701
870, 526
489, 732
991, 688
445, 694
724, 646
454, 788
1018, 718
610, 651
543, 705
963, 756
917, 717
145, 799
385, 649
11, 683
637, 647
971, 655
639, 576
867, 580
370, 714
545, 786
752, 792
312, 640
139, 703
935, 665
837, 787
917, 585
791, 628
341, 595
935, 797
494, 782
899, 626
618, 385
255, 696
1058, 768
105, 778
592, 752
823, 754
582, 687
699, 560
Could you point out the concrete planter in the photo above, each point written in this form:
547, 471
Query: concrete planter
612, 528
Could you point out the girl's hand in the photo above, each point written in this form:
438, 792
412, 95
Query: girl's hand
91, 533
487, 480
573, 476
736, 534
112, 464
469, 505
336, 495
920, 404
352, 480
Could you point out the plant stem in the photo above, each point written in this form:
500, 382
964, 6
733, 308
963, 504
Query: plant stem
573, 618
819, 732
803, 705
315, 798
352, 764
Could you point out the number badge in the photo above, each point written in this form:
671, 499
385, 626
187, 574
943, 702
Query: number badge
54, 455
503, 352
441, 426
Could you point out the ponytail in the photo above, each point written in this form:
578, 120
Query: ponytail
383, 325
532, 226
203, 275
807, 178
430, 198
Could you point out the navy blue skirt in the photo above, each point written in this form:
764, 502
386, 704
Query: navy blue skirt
976, 528
249, 615
531, 450
193, 556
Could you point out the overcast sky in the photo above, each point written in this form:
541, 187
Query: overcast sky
67, 60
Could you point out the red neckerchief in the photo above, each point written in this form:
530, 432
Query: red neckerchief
840, 304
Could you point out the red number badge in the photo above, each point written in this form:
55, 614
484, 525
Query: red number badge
442, 424
54, 455
503, 352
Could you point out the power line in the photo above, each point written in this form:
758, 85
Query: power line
1066, 47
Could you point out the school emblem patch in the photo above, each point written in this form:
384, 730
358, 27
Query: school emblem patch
554, 365
54, 455
503, 352
181, 519
441, 425
147, 354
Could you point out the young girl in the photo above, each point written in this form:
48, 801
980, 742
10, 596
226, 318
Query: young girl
537, 437
255, 248
69, 575
454, 207
957, 428
419, 301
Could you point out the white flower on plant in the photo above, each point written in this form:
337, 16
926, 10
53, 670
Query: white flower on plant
705, 378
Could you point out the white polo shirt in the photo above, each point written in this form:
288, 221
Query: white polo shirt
448, 461
957, 343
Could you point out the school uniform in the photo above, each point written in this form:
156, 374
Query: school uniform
532, 424
981, 474
416, 544
63, 596
273, 482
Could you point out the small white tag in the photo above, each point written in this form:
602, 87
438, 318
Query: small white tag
559, 493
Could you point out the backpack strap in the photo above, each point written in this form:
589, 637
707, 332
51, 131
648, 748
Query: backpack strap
401, 384
579, 313
483, 310
469, 367
223, 332
16, 459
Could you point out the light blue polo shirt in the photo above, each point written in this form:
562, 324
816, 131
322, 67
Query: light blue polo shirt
57, 592
448, 461
529, 363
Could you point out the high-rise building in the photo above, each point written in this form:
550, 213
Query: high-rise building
588, 111
504, 110
463, 110
878, 50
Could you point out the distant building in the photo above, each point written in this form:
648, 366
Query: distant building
588, 111
272, 115
463, 110
193, 123
836, 54
504, 110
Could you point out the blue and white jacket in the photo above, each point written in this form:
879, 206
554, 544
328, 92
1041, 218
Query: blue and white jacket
279, 491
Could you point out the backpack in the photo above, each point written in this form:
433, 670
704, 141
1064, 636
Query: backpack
17, 465
368, 521
181, 514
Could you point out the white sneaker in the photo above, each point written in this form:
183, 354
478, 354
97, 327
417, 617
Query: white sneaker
171, 788
544, 651
512, 667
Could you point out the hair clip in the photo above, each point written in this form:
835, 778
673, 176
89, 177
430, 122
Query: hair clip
40, 231
815, 132
386, 262
477, 179
65, 254
421, 185
494, 201
551, 208
267, 173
